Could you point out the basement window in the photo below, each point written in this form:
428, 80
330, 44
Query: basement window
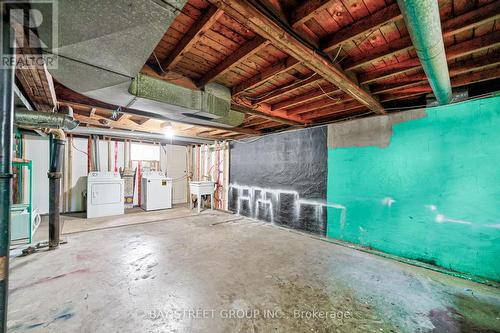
144, 152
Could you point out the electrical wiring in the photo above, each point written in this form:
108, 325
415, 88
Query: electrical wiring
324, 92
337, 55
281, 88
158, 61
81, 151
357, 116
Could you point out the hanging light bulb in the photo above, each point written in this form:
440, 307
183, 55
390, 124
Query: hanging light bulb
168, 130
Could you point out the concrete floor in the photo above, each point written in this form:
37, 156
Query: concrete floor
180, 272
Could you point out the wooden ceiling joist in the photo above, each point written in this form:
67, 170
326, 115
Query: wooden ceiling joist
245, 12
83, 109
341, 108
268, 124
320, 104
457, 81
289, 88
477, 44
307, 97
308, 10
34, 78
240, 55
194, 34
266, 74
362, 28
455, 69
450, 27
264, 110
254, 122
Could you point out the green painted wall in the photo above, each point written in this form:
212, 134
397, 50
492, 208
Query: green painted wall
433, 194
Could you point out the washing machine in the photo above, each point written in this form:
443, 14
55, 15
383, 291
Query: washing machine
156, 191
104, 194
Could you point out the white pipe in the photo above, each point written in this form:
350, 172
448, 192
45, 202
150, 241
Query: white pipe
136, 135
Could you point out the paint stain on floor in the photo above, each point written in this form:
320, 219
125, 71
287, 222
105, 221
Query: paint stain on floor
470, 316
63, 315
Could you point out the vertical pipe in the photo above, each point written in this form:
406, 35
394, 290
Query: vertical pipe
139, 183
96, 156
65, 182
6, 133
55, 168
116, 156
110, 164
226, 175
70, 172
89, 155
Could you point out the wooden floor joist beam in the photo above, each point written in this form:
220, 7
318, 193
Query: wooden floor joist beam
308, 10
245, 12
126, 118
264, 110
266, 74
320, 105
197, 30
454, 69
240, 55
340, 108
450, 27
289, 88
492, 40
362, 28
308, 97
458, 81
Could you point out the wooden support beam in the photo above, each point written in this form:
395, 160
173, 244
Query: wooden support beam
268, 124
450, 27
253, 122
307, 10
477, 44
321, 104
362, 28
264, 110
266, 74
346, 107
240, 55
289, 88
194, 34
308, 97
246, 13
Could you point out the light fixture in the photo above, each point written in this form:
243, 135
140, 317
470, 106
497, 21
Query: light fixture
168, 130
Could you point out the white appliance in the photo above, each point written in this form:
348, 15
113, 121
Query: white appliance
104, 194
201, 188
156, 191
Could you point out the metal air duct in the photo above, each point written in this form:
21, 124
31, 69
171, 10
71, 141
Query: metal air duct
424, 25
125, 33
25, 117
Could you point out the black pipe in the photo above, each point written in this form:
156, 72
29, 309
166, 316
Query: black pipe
55, 173
6, 133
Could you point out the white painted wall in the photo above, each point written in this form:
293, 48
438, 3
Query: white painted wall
37, 150
79, 174
176, 168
